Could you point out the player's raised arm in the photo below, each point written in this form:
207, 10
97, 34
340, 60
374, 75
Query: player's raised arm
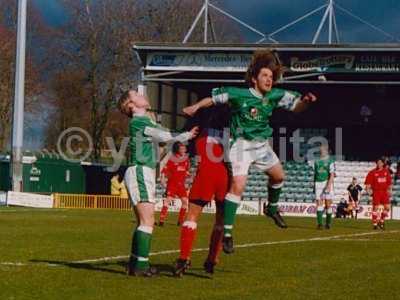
304, 102
163, 135
329, 185
291, 100
368, 187
192, 109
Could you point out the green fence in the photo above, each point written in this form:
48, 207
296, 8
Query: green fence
47, 175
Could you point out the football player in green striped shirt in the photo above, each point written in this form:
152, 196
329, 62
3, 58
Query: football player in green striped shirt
251, 109
140, 177
324, 174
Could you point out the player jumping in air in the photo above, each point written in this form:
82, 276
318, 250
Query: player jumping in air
176, 171
324, 175
378, 183
251, 109
140, 176
210, 183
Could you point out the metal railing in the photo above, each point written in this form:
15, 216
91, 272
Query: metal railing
91, 201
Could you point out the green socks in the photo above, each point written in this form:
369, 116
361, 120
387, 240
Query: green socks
230, 206
132, 257
329, 216
141, 246
320, 213
274, 192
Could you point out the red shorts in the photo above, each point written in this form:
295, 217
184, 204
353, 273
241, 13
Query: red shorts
178, 191
380, 198
209, 185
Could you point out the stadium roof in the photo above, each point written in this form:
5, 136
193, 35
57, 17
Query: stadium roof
306, 63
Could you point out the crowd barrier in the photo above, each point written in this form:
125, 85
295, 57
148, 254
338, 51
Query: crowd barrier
81, 201
91, 201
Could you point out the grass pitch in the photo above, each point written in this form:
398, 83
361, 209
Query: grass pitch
40, 250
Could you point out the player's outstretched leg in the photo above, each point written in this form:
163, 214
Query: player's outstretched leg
215, 240
138, 264
132, 258
188, 235
320, 214
271, 210
164, 212
183, 210
328, 221
384, 215
139, 261
375, 219
231, 204
214, 250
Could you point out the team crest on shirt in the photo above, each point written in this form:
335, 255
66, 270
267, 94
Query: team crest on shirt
254, 112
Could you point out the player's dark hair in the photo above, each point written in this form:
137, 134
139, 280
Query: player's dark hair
123, 98
382, 159
216, 117
175, 147
386, 160
264, 59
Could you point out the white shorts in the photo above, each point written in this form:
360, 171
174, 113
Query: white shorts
243, 153
140, 182
320, 193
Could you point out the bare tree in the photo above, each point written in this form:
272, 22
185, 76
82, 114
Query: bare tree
33, 86
95, 58
96, 61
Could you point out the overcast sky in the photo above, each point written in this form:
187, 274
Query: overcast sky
269, 15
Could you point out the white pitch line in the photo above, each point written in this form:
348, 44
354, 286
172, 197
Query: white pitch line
26, 210
367, 240
16, 264
326, 238
113, 258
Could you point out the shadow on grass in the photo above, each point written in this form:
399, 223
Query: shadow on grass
164, 269
99, 267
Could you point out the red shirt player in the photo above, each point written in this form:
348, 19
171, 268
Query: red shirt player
378, 184
210, 183
176, 171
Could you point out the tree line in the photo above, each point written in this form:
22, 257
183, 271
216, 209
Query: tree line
76, 71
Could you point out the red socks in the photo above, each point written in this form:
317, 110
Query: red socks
375, 218
182, 214
163, 214
188, 235
384, 215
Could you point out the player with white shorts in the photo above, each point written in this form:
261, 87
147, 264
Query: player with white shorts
251, 110
324, 174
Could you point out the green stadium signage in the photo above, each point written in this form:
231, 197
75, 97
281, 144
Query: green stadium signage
297, 62
346, 63
322, 63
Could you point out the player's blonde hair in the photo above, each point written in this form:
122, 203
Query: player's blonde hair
264, 59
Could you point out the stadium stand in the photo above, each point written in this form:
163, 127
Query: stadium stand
308, 134
299, 184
